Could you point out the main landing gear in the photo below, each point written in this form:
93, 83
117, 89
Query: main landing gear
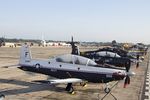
83, 84
69, 88
108, 90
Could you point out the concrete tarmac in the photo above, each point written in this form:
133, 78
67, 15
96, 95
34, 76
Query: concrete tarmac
19, 85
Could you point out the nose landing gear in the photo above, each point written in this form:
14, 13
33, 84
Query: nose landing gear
108, 90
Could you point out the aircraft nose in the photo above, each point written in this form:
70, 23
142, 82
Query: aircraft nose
130, 73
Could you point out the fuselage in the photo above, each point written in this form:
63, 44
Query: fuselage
107, 57
69, 66
71, 70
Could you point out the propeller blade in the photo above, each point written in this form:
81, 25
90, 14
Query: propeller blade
127, 81
137, 65
128, 65
127, 78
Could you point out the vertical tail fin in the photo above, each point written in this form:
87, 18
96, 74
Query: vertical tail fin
25, 55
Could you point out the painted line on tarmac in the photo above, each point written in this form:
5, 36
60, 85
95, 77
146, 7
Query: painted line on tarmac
147, 86
147, 83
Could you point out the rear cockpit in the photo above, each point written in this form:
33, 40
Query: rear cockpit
75, 59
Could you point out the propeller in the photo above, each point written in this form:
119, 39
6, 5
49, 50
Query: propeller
127, 65
127, 79
137, 63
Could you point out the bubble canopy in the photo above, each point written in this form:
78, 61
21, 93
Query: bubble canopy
108, 54
75, 59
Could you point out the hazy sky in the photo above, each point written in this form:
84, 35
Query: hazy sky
86, 20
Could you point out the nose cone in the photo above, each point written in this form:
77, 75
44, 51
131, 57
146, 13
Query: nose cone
130, 73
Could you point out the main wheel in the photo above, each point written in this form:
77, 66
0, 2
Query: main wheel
71, 90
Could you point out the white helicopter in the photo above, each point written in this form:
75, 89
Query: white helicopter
71, 69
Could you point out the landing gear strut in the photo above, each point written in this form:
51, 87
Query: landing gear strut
69, 88
83, 84
107, 89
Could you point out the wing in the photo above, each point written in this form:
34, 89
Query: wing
59, 81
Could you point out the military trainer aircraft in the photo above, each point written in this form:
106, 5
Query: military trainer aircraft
103, 56
71, 69
108, 55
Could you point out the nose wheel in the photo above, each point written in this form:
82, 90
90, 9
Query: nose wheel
108, 90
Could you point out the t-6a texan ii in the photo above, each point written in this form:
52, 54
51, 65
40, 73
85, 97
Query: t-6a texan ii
71, 69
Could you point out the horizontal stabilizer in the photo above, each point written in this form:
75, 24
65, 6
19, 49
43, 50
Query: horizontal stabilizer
12, 66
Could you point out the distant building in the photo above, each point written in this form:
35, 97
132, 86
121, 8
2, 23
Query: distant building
44, 43
9, 44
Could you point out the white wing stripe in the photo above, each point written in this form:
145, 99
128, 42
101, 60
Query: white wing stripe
68, 80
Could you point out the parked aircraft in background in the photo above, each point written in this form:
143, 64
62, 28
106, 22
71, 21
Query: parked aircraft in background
138, 49
103, 56
108, 55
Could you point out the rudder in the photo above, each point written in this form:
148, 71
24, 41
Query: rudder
25, 55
